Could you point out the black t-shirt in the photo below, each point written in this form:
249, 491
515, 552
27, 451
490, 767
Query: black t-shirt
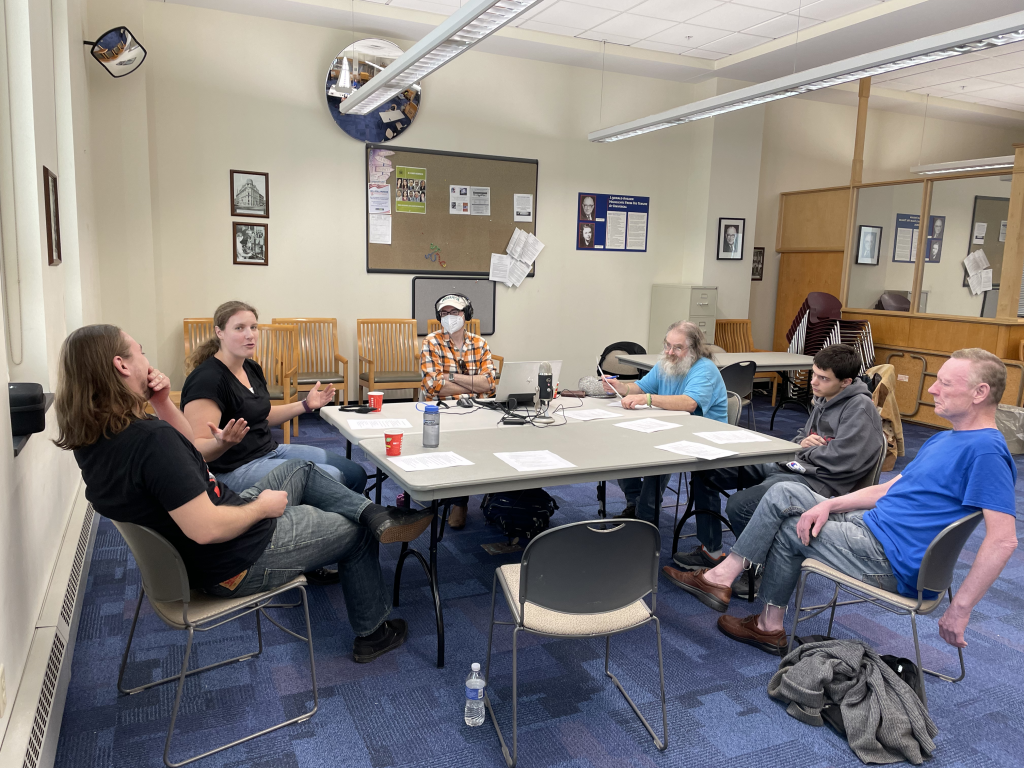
213, 381
139, 474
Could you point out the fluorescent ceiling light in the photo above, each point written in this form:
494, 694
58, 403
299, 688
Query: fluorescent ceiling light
977, 37
457, 34
959, 166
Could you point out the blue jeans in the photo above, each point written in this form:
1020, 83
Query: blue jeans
347, 472
844, 543
741, 505
640, 491
320, 526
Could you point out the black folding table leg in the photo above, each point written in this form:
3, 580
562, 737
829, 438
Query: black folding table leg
430, 568
348, 449
380, 483
602, 498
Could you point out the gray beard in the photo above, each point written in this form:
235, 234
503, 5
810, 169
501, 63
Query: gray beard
677, 369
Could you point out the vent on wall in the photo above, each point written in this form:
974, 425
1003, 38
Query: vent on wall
71, 594
45, 706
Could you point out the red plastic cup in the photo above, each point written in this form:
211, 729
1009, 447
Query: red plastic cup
376, 400
393, 444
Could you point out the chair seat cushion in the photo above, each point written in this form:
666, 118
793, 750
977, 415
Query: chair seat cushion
324, 377
203, 608
277, 393
907, 603
393, 377
550, 622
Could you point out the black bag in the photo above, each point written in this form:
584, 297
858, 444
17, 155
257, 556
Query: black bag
28, 408
519, 514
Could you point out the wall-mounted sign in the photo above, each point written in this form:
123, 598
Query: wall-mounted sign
611, 222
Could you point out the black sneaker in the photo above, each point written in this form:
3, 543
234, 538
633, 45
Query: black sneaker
696, 559
393, 524
387, 637
629, 512
740, 586
322, 577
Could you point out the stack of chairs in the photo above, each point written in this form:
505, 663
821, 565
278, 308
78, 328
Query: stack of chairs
819, 323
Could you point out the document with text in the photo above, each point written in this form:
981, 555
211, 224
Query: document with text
423, 461
647, 425
732, 436
696, 450
590, 414
533, 461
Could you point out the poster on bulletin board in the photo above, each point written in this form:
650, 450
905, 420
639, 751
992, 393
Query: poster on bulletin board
611, 222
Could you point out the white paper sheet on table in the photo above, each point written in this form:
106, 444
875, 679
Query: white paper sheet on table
642, 407
590, 414
532, 461
732, 436
696, 450
378, 424
647, 425
423, 461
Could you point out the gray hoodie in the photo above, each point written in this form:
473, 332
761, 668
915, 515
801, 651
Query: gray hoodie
850, 423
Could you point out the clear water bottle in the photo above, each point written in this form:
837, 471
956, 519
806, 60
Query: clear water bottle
431, 426
475, 697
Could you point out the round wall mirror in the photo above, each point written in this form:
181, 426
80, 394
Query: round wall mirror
118, 51
353, 68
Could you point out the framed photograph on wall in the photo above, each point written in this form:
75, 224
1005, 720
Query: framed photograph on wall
53, 257
933, 253
250, 244
730, 238
250, 194
757, 269
869, 242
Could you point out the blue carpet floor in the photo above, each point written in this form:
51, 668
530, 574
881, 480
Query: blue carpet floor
402, 711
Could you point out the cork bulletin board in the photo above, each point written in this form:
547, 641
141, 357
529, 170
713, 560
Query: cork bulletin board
438, 242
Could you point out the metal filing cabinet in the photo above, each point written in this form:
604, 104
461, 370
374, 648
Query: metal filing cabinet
671, 303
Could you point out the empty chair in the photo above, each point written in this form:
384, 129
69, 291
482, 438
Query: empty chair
608, 360
319, 359
196, 331
388, 356
893, 302
735, 336
277, 352
739, 378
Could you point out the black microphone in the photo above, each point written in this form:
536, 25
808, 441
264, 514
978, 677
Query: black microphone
545, 385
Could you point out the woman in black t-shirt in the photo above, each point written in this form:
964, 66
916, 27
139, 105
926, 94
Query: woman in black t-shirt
226, 401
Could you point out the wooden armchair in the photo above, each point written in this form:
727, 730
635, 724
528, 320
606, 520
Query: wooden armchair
197, 330
388, 356
277, 352
473, 326
735, 336
319, 359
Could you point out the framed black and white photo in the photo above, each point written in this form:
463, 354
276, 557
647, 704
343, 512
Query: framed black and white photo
869, 242
730, 238
250, 244
250, 194
53, 257
936, 225
757, 269
933, 251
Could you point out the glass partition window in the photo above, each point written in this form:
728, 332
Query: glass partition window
886, 231
964, 257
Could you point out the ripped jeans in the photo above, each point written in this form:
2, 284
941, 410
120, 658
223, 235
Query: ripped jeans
844, 543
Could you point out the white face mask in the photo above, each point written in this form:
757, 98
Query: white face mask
452, 323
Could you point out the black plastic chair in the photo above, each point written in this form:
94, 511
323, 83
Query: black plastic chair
739, 378
610, 364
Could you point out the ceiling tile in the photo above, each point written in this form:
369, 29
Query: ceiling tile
614, 5
663, 47
1008, 93
1013, 77
977, 68
782, 6
921, 80
733, 17
968, 85
430, 6
1003, 50
675, 10
1002, 105
699, 53
609, 37
553, 29
826, 10
780, 26
1016, 59
540, 7
735, 43
689, 35
631, 25
577, 15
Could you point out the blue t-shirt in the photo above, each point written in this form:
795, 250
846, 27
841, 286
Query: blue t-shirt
703, 383
955, 474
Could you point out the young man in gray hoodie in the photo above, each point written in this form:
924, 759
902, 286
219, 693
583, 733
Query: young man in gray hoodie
839, 445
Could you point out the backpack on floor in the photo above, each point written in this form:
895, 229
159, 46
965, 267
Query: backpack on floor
519, 514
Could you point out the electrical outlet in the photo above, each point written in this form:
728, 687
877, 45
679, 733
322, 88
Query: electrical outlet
3, 691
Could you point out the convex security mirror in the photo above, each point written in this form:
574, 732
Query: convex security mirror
354, 67
118, 51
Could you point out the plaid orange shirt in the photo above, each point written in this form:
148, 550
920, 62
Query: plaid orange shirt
439, 357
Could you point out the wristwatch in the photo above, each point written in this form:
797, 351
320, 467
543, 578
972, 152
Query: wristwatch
451, 377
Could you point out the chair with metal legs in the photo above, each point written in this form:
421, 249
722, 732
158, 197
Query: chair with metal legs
165, 582
936, 576
585, 579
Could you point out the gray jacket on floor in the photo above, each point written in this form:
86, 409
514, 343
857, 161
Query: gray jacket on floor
885, 721
850, 423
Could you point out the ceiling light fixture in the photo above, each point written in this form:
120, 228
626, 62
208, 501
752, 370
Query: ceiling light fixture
457, 34
976, 37
959, 166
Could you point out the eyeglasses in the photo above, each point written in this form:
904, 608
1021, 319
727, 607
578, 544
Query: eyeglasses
677, 348
444, 313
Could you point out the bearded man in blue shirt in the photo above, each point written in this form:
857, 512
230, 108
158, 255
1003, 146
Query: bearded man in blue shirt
879, 534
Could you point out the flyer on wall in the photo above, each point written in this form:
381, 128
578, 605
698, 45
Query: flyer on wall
458, 199
611, 222
522, 206
378, 198
380, 229
480, 201
410, 189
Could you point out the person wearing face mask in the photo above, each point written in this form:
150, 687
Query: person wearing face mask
455, 362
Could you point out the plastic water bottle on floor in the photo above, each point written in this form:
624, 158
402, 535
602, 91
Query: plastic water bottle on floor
475, 697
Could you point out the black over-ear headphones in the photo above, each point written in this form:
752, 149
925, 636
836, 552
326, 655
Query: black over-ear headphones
468, 310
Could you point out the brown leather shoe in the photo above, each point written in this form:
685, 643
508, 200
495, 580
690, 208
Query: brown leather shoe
746, 631
712, 595
457, 516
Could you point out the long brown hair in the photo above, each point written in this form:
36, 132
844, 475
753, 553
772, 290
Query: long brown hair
210, 347
92, 400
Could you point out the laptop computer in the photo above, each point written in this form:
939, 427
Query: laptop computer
519, 380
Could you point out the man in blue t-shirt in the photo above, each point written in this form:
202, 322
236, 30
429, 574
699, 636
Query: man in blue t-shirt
955, 474
686, 379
